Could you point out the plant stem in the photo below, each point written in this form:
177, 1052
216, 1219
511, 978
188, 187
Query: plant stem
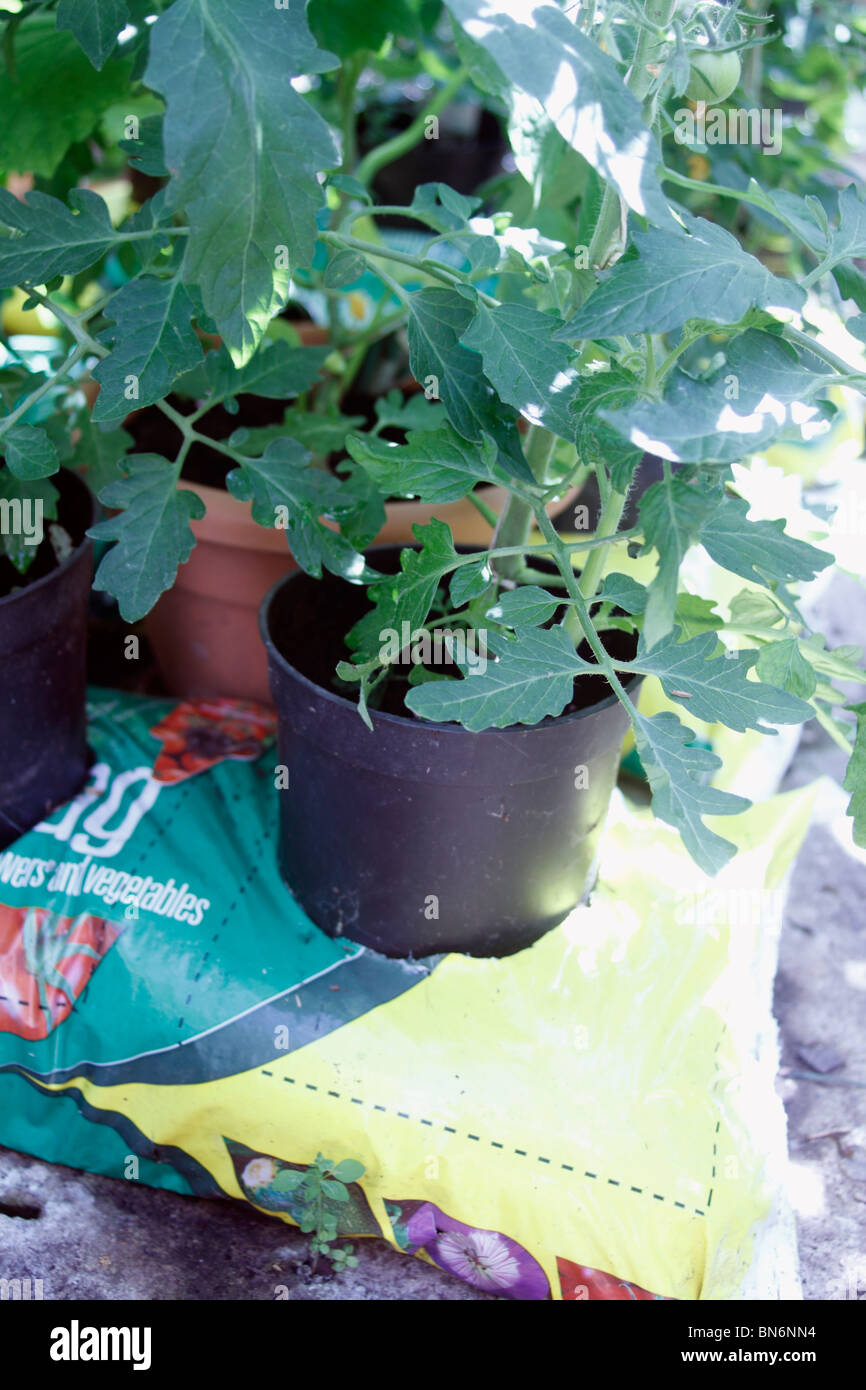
608, 521
579, 609
407, 139
481, 506
36, 395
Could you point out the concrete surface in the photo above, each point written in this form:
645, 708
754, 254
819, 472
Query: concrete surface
94, 1237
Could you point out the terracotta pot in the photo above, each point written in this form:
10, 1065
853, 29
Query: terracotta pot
205, 630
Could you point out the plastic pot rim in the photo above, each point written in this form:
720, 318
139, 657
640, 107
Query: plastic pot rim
400, 720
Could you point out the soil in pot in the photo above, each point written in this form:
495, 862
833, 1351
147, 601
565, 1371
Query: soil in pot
417, 838
43, 640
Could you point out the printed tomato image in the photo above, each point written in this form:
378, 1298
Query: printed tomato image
579, 1282
45, 963
198, 734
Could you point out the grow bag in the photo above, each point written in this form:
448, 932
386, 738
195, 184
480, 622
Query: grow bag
43, 635
593, 1117
418, 837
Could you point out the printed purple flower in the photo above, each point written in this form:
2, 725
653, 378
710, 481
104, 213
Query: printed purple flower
485, 1259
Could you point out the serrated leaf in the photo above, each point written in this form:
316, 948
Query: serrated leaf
855, 778
406, 597
753, 608
469, 582
437, 320
762, 390
284, 478
146, 153
394, 411
55, 239
847, 239
543, 53
530, 678
152, 532
276, 370
153, 341
29, 452
527, 606
597, 441
54, 99
694, 615
624, 592
705, 275
717, 688
759, 551
675, 773
782, 664
232, 118
95, 24
525, 366
671, 513
99, 453
433, 465
29, 496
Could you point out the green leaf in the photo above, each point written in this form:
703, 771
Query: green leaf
152, 341
95, 23
334, 1191
695, 615
671, 512
705, 275
531, 678
25, 500
54, 240
597, 441
408, 596
761, 391
277, 370
759, 551
284, 478
848, 237
152, 532
54, 98
527, 606
855, 778
433, 465
146, 153
469, 582
320, 433
343, 269
29, 452
543, 53
347, 27
753, 608
717, 688
394, 411
624, 592
437, 320
782, 664
349, 1170
286, 1180
525, 366
675, 773
246, 176
99, 453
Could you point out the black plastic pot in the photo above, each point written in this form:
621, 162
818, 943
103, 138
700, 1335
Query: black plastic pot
43, 635
417, 837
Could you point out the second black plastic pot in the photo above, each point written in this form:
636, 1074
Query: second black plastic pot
417, 838
43, 636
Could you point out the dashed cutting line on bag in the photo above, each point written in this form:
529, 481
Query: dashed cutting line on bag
494, 1144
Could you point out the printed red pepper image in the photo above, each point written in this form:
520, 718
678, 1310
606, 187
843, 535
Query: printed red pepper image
45, 963
579, 1282
198, 734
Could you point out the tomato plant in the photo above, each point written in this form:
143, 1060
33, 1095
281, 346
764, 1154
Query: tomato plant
560, 321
